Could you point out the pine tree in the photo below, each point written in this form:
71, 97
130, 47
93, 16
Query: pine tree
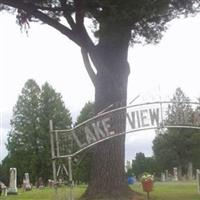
29, 140
24, 136
177, 144
180, 111
52, 108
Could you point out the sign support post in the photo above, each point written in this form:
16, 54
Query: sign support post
53, 156
70, 178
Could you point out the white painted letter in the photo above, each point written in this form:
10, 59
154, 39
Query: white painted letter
97, 130
107, 126
131, 119
89, 136
154, 115
143, 114
78, 141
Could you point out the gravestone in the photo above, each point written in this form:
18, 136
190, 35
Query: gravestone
26, 182
198, 180
190, 171
163, 178
50, 183
175, 170
12, 189
40, 183
3, 189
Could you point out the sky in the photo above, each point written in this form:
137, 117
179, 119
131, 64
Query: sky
46, 55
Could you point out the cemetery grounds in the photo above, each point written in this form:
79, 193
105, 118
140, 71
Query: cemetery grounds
185, 190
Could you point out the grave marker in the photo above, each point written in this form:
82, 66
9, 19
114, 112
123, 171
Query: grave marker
13, 181
190, 171
26, 182
163, 178
175, 173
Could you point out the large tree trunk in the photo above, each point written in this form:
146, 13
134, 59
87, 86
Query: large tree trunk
107, 180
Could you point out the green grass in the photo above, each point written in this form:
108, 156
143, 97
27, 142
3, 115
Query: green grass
161, 191
45, 194
172, 191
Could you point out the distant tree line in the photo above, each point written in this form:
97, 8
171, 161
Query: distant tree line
172, 147
29, 143
179, 147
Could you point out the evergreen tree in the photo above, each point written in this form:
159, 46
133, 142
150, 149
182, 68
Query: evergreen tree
23, 138
53, 108
143, 164
86, 113
29, 140
176, 144
196, 137
180, 112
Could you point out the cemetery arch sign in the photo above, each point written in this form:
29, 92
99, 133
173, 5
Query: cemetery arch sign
65, 144
138, 117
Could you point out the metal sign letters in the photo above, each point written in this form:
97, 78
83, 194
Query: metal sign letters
67, 143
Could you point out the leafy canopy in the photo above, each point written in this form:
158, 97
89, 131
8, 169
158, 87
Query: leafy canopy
146, 18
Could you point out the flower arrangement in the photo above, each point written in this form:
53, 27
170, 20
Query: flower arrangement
146, 177
147, 182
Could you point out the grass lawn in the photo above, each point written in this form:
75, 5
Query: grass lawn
172, 191
162, 191
45, 194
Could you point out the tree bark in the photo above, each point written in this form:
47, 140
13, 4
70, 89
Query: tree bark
107, 180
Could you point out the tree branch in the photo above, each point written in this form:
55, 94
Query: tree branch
45, 8
70, 20
79, 36
79, 13
80, 28
88, 66
67, 14
29, 8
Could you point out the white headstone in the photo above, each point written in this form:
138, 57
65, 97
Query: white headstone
26, 182
190, 171
163, 179
175, 173
13, 181
3, 188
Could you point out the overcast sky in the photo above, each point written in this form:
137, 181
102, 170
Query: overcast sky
46, 55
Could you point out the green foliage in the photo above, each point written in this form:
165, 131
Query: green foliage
86, 113
82, 166
146, 18
180, 112
178, 145
51, 107
143, 164
29, 143
146, 177
24, 135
